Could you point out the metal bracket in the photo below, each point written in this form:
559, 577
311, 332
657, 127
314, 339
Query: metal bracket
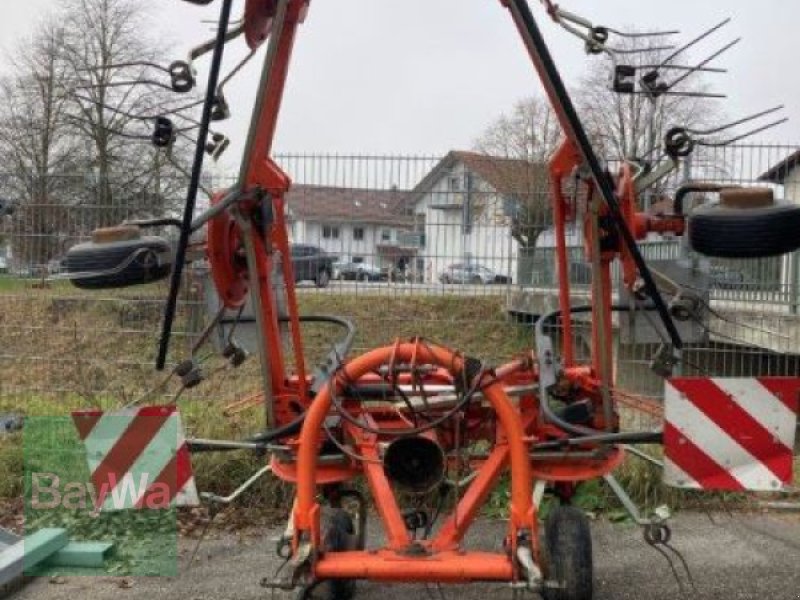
660, 515
238, 491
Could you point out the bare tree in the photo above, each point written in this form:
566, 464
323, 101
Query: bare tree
111, 86
74, 132
629, 126
36, 144
620, 126
516, 148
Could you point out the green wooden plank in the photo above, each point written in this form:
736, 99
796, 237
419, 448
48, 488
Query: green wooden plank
40, 545
27, 553
81, 554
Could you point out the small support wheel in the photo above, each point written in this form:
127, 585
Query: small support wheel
339, 536
568, 546
746, 223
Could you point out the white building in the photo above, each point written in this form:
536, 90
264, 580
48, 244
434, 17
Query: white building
353, 224
466, 208
787, 175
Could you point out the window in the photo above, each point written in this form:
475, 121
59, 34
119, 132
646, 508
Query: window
329, 232
454, 183
357, 260
386, 235
358, 234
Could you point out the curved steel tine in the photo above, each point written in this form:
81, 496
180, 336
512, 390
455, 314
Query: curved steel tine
119, 132
113, 84
235, 70
569, 21
644, 34
695, 41
703, 63
179, 109
195, 123
685, 94
125, 65
116, 110
720, 128
684, 68
629, 51
744, 135
208, 46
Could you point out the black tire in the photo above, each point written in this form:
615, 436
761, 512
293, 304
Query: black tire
143, 260
363, 277
726, 232
568, 549
339, 536
476, 280
323, 278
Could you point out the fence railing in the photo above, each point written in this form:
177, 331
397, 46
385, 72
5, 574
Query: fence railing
416, 246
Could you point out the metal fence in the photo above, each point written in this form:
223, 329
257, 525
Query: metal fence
432, 246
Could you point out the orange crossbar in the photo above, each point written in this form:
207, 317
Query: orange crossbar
384, 565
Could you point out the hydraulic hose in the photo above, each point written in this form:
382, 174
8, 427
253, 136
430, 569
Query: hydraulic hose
586, 434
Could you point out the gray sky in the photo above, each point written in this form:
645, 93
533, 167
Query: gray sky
426, 76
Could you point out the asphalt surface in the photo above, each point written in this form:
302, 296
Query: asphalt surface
739, 557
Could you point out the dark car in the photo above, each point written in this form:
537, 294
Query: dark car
361, 271
472, 273
312, 263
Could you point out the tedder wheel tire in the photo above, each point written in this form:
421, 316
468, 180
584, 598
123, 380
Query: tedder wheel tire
568, 546
323, 279
339, 536
726, 232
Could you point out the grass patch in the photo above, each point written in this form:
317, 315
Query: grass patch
68, 350
65, 352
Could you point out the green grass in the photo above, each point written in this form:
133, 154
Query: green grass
80, 350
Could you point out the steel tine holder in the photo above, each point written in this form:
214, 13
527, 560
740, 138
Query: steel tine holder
596, 37
627, 78
164, 132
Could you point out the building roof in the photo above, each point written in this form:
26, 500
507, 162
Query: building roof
340, 204
779, 172
507, 176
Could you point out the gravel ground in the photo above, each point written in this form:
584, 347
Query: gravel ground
739, 557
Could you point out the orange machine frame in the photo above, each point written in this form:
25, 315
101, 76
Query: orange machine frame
516, 427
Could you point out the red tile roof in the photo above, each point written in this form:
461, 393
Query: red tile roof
322, 203
507, 176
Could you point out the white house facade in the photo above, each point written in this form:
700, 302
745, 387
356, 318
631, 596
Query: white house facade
355, 225
465, 208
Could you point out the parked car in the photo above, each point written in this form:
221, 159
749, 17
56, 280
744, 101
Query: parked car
311, 263
472, 273
727, 279
362, 271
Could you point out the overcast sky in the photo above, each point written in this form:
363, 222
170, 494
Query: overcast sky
426, 76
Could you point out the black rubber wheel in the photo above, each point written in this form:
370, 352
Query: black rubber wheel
568, 548
726, 232
323, 279
119, 263
476, 280
339, 535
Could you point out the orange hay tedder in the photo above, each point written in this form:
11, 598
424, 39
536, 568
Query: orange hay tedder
415, 418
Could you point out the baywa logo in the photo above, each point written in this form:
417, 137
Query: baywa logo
49, 492
107, 478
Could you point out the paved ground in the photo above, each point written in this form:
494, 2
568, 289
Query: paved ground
742, 558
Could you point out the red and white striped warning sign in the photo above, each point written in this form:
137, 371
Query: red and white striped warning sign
730, 433
137, 458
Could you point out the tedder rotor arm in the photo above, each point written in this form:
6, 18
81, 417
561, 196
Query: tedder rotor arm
579, 140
